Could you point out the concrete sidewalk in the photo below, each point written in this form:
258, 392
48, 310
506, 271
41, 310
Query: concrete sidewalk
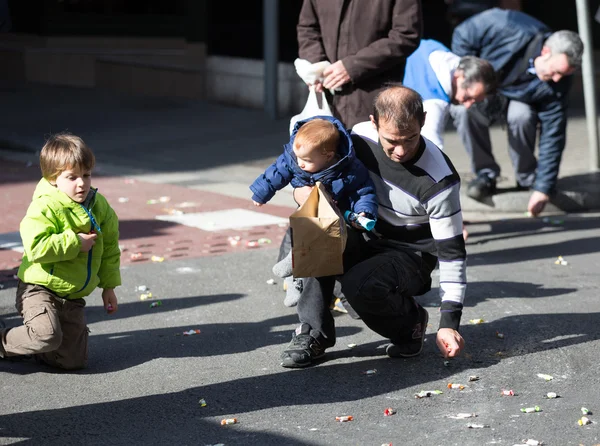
222, 149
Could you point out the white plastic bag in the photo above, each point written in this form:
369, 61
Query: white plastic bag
311, 108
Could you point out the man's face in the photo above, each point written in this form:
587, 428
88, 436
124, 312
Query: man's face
467, 96
549, 67
399, 146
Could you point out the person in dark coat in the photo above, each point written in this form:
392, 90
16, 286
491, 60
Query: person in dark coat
534, 67
367, 43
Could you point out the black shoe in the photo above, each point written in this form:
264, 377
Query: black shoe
481, 187
413, 345
303, 350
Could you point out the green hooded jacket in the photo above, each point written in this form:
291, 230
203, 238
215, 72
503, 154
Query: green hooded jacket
52, 256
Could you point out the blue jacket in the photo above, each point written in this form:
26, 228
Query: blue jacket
348, 180
510, 41
419, 75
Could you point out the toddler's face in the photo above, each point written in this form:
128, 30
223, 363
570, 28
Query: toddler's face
75, 183
312, 161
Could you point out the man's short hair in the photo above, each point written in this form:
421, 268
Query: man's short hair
318, 134
475, 69
64, 151
568, 43
400, 105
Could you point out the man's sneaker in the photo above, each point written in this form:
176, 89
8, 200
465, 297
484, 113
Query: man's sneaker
481, 187
414, 344
303, 350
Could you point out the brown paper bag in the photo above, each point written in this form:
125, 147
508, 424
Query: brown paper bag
318, 236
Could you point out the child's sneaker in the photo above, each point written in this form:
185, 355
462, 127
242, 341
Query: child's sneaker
303, 350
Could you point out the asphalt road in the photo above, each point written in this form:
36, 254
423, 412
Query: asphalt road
145, 379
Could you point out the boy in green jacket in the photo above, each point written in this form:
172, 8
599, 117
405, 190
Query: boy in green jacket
71, 246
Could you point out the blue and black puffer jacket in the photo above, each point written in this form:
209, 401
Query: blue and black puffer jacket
348, 180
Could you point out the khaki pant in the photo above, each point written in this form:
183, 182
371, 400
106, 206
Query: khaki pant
54, 329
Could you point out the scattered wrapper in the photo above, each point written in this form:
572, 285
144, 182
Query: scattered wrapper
446, 363
561, 261
123, 199
462, 416
389, 412
344, 418
157, 259
508, 393
369, 372
476, 321
229, 421
264, 241
583, 421
252, 243
551, 395
530, 443
456, 386
473, 378
158, 303
202, 402
164, 199
234, 240
585, 411
499, 335
271, 282
427, 393
136, 256
477, 426
351, 345
531, 409
141, 288
145, 296
191, 332
545, 377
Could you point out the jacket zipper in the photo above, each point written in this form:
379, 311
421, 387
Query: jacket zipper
89, 261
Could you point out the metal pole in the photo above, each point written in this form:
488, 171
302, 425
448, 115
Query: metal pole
589, 90
271, 55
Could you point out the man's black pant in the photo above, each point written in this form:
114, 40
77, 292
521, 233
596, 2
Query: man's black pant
380, 281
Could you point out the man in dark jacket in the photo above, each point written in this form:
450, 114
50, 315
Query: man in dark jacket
367, 44
533, 66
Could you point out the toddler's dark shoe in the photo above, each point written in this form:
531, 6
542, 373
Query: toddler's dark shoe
303, 350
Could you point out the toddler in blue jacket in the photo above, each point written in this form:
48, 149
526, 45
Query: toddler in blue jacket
320, 149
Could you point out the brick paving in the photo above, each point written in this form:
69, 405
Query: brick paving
137, 204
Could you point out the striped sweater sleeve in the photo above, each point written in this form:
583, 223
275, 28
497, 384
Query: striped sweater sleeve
445, 219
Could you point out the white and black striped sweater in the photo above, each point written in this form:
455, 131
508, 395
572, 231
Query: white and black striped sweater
419, 206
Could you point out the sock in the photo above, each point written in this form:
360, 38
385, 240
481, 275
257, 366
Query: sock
284, 267
294, 291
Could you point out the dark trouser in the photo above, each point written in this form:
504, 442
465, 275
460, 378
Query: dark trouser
473, 127
380, 281
54, 329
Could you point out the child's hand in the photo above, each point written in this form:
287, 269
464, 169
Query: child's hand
87, 241
256, 203
110, 300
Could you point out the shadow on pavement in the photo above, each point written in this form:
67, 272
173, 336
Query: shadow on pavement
174, 417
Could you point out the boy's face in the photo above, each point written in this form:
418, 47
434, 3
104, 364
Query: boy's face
75, 183
312, 160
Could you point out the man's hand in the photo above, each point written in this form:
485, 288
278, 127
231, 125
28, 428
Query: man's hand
87, 241
537, 203
335, 76
318, 86
110, 300
450, 342
301, 194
